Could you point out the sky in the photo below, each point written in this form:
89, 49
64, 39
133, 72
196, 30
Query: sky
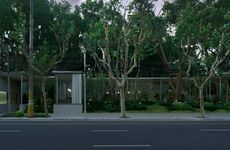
158, 4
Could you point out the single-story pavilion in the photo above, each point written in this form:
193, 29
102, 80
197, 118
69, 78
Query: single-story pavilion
68, 93
13, 91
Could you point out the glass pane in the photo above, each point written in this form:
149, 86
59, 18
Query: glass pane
65, 89
3, 97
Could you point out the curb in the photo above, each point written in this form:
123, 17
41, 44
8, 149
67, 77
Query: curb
121, 120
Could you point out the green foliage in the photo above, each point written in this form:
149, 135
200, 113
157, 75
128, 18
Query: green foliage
227, 107
135, 105
194, 104
139, 105
51, 52
113, 106
14, 114
156, 108
40, 115
172, 10
210, 106
177, 106
39, 108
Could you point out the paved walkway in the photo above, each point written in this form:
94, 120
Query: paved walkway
133, 117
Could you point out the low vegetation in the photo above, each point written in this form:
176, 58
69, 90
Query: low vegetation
22, 114
155, 106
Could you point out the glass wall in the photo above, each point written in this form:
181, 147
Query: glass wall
69, 88
3, 97
64, 89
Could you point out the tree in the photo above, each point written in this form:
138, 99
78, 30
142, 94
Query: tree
204, 43
170, 47
49, 55
116, 42
11, 20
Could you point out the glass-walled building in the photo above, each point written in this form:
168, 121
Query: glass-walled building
68, 92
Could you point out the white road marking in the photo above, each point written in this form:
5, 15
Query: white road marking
121, 146
101, 131
10, 131
215, 130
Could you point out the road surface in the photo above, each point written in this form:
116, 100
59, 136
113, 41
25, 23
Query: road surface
71, 135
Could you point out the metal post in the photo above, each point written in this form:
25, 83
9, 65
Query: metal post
84, 76
83, 50
57, 92
31, 103
8, 81
220, 87
21, 89
160, 89
190, 90
227, 90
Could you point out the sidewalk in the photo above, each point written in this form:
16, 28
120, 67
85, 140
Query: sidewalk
133, 117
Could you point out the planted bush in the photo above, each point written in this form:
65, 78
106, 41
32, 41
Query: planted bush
114, 106
135, 105
209, 106
94, 105
157, 108
14, 114
180, 106
227, 107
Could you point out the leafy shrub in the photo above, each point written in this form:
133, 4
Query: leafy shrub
114, 106
94, 105
180, 106
209, 106
39, 108
50, 103
227, 107
157, 108
111, 107
40, 115
194, 104
148, 102
19, 114
135, 105
14, 114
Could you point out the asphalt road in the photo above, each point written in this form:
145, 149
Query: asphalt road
30, 135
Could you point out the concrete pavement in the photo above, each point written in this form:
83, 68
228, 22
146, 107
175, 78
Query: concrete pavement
133, 117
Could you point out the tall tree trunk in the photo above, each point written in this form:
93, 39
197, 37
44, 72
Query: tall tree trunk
178, 86
201, 97
112, 89
44, 95
30, 102
122, 101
